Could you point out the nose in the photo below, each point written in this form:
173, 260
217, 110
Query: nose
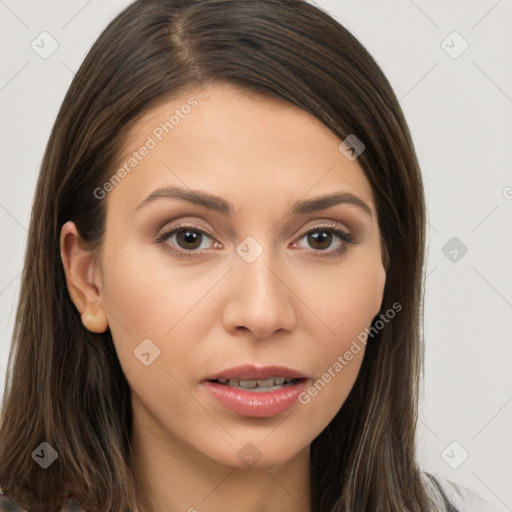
261, 300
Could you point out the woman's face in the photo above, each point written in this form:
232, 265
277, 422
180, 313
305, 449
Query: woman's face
247, 281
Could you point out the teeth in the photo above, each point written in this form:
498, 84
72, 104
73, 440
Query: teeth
269, 382
248, 383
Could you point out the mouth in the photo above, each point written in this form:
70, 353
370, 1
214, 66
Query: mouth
259, 385
246, 373
257, 391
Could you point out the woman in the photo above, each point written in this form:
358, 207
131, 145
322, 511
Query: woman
221, 301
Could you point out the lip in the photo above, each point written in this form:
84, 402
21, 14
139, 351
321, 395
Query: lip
256, 404
251, 371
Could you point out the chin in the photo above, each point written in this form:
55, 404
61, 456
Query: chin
256, 454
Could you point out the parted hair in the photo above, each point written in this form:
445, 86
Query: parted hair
64, 384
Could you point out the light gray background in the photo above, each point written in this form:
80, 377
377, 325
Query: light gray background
460, 114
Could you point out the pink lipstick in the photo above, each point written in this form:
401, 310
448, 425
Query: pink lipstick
257, 391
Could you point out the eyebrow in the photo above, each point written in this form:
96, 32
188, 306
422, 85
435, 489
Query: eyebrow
220, 205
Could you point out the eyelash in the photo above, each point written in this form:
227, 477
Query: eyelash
163, 240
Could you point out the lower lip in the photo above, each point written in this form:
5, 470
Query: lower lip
256, 404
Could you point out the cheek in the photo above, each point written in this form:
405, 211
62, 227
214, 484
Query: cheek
348, 299
147, 299
346, 303
157, 320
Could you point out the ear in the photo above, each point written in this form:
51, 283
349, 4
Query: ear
83, 278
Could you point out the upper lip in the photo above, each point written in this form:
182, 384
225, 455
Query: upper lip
251, 371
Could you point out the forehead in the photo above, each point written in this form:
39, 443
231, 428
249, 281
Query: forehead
235, 143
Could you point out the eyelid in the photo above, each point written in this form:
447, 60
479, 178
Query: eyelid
344, 235
330, 224
337, 228
166, 231
185, 223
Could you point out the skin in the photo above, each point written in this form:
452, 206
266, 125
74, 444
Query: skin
294, 305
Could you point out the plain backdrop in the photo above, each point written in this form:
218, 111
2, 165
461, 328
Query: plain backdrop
449, 64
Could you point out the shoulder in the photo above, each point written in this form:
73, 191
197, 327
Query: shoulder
460, 497
9, 504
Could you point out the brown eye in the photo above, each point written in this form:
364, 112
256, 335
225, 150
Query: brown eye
186, 241
189, 238
326, 241
320, 239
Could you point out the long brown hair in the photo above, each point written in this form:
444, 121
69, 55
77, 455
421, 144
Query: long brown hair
64, 384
